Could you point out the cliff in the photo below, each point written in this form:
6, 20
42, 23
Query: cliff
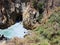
29, 11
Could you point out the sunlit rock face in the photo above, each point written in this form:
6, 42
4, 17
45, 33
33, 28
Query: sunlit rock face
30, 16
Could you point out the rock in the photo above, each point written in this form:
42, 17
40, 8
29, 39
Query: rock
3, 43
3, 20
12, 12
2, 37
30, 16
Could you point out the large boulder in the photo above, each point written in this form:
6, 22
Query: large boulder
30, 16
10, 15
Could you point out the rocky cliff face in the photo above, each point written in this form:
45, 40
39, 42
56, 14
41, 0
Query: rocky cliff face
17, 10
30, 16
13, 11
10, 12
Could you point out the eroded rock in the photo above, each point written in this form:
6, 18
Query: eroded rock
30, 16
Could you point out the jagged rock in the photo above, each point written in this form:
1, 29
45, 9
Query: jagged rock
12, 12
3, 37
30, 16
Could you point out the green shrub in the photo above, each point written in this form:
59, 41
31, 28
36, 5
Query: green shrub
34, 3
50, 30
40, 7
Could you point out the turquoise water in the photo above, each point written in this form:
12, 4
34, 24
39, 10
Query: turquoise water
16, 30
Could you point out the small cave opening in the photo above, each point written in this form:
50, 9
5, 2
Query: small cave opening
19, 18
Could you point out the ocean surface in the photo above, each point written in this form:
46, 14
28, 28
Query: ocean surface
16, 30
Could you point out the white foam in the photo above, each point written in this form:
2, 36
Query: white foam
16, 30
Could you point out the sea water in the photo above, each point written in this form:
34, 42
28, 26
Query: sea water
16, 30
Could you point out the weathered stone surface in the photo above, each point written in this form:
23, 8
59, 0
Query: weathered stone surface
30, 16
12, 11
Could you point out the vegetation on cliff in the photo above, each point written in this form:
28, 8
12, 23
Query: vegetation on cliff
51, 29
47, 33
